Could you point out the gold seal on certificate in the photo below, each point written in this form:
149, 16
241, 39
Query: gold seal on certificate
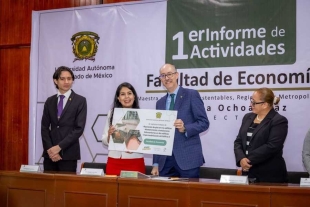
143, 131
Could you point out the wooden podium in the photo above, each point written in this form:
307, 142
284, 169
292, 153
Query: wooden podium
71, 190
153, 193
61, 190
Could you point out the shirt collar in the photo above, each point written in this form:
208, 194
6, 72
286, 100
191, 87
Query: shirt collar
175, 91
67, 94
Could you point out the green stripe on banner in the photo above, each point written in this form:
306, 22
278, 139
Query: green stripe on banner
233, 33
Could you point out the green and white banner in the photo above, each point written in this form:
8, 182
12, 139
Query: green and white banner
223, 49
236, 33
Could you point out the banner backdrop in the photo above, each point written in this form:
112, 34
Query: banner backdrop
223, 50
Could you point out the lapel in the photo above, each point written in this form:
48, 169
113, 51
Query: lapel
70, 100
179, 99
162, 104
265, 121
246, 127
54, 107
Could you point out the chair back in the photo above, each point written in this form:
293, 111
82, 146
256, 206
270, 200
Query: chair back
95, 165
215, 173
294, 177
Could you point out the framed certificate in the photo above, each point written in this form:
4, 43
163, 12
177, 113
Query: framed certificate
143, 130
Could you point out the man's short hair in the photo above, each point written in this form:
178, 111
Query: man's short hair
58, 71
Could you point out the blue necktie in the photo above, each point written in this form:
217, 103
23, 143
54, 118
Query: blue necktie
171, 107
60, 105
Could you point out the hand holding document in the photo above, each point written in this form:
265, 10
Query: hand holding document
143, 131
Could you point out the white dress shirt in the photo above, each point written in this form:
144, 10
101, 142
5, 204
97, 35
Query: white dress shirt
65, 100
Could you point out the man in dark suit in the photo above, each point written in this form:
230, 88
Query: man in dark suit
187, 156
63, 123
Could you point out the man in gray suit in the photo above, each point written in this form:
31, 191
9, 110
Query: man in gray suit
192, 119
63, 123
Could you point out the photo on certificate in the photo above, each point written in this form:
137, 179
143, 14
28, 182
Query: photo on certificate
134, 140
119, 135
125, 129
143, 130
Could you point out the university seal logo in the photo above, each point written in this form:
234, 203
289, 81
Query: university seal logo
158, 115
85, 45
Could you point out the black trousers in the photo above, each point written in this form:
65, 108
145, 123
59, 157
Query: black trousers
60, 166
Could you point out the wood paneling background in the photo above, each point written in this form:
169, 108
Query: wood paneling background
15, 37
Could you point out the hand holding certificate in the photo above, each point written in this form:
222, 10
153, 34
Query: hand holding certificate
143, 130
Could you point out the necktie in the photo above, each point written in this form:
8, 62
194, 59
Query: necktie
171, 107
60, 105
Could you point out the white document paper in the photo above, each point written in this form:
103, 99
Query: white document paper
169, 178
92, 171
304, 182
143, 131
29, 168
234, 179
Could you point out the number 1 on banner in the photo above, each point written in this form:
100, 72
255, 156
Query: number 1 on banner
180, 55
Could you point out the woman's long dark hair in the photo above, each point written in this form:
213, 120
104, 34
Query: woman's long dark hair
118, 104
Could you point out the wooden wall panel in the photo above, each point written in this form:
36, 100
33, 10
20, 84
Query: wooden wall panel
15, 17
15, 37
14, 100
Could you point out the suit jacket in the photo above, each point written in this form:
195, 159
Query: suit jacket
265, 147
187, 150
67, 130
306, 152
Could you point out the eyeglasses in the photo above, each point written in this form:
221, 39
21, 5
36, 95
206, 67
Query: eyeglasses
168, 75
253, 103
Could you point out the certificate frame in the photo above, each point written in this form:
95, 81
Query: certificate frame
146, 131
